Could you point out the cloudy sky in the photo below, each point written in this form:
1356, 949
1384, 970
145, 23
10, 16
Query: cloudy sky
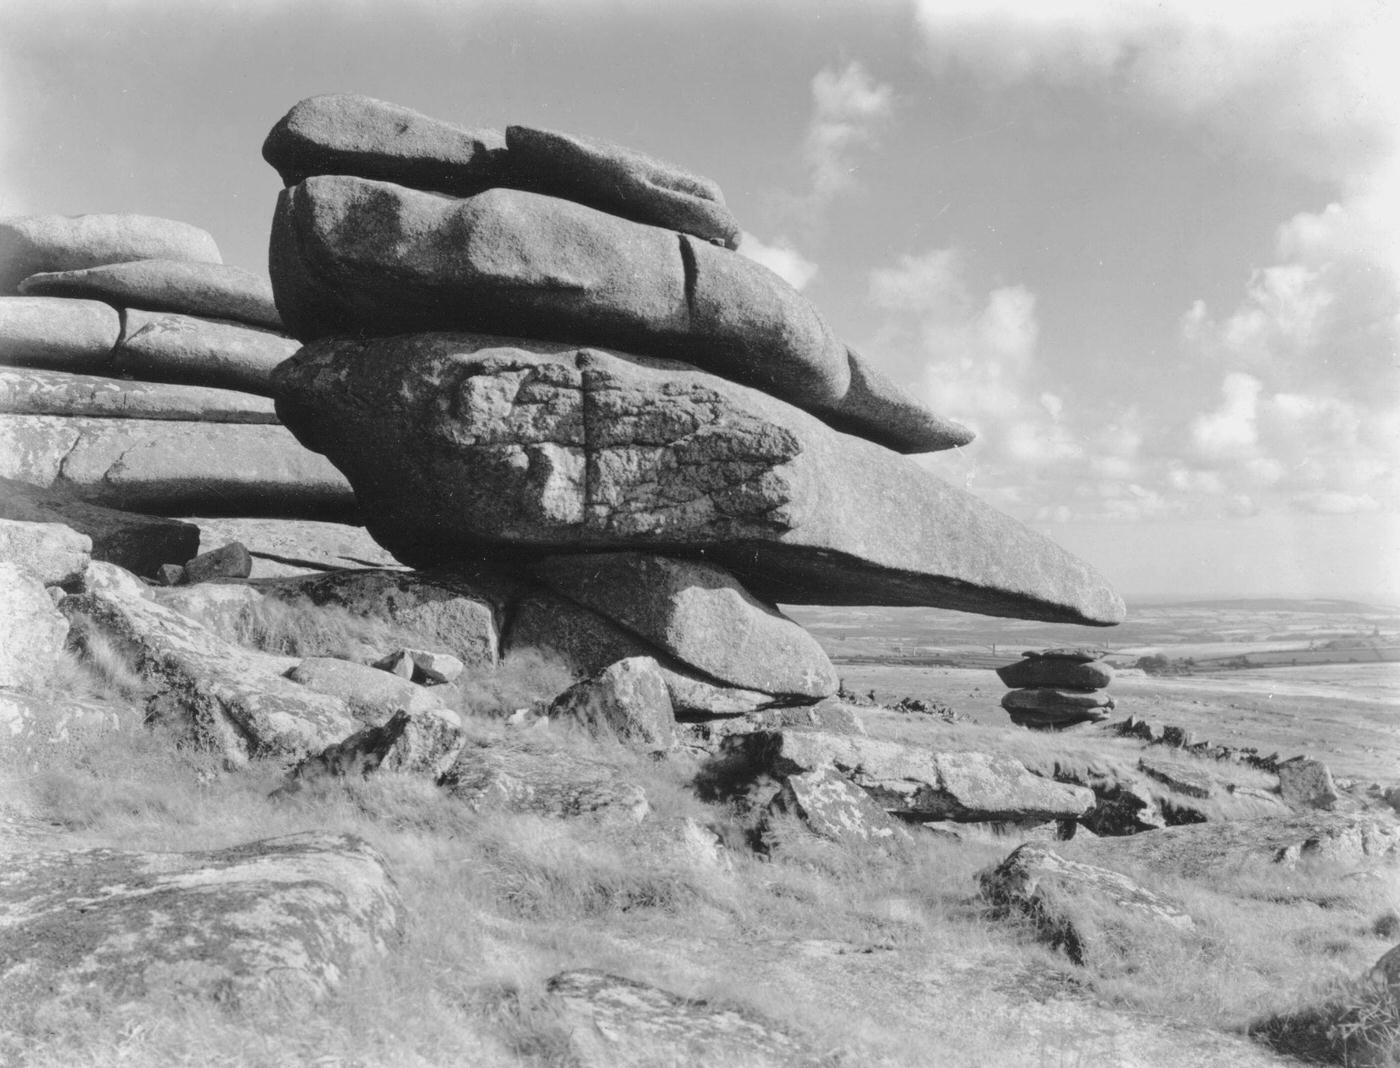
1150, 251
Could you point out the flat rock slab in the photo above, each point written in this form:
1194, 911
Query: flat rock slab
236, 701
25, 391
63, 335
832, 806
701, 615
35, 243
471, 443
32, 631
615, 1022
280, 919
1206, 849
909, 780
371, 695
168, 347
53, 553
287, 548
1091, 913
213, 290
138, 543
172, 466
1056, 672
546, 783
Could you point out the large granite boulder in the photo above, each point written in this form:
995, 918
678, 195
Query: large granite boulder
208, 289
30, 392
1056, 672
699, 614
53, 553
914, 781
172, 466
138, 543
32, 631
63, 335
619, 181
166, 347
35, 243
627, 700
457, 443
251, 925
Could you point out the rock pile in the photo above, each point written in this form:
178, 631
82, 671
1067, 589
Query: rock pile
1057, 688
135, 367
656, 398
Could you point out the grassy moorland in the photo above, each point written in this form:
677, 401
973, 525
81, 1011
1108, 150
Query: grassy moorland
878, 955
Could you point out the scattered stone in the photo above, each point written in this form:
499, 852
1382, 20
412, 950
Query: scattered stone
227, 561
1066, 900
29, 392
699, 614
628, 699
620, 1023
167, 347
548, 783
1123, 806
256, 924
63, 335
171, 575
675, 458
834, 807
1056, 672
430, 668
1307, 783
38, 243
371, 695
206, 289
425, 741
137, 543
398, 663
918, 782
172, 466
53, 553
32, 630
1184, 780
619, 181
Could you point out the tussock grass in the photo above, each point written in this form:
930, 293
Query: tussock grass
300, 627
525, 678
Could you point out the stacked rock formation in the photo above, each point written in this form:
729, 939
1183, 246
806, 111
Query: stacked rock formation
135, 368
542, 354
1057, 688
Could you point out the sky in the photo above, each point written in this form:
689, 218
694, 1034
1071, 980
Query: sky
1150, 252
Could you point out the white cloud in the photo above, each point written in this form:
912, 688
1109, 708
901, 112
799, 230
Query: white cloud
1232, 429
780, 258
849, 109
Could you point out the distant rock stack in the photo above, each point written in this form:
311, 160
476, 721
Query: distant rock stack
1057, 688
135, 370
541, 354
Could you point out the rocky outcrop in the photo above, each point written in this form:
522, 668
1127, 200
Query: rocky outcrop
614, 1022
422, 741
553, 448
39, 243
138, 543
171, 466
552, 783
275, 920
1057, 688
206, 289
32, 631
30, 392
1093, 914
917, 782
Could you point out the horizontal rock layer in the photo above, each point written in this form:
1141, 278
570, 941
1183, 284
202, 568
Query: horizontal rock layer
66, 335
458, 443
34, 243
30, 392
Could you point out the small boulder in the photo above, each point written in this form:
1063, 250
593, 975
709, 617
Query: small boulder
399, 663
1307, 783
424, 741
431, 668
227, 561
171, 575
628, 699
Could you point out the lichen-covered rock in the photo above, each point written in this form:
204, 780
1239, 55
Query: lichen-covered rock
620, 1023
457, 443
32, 631
35, 243
234, 700
1093, 914
1056, 672
63, 335
207, 289
699, 614
916, 781
834, 807
168, 347
137, 543
628, 699
29, 392
282, 918
172, 466
53, 553
227, 561
424, 741
1044, 708
1307, 783
544, 782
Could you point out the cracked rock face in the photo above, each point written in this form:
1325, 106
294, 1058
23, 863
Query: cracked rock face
283, 918
456, 443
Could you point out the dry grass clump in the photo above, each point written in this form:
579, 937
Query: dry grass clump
1356, 1025
300, 627
524, 678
